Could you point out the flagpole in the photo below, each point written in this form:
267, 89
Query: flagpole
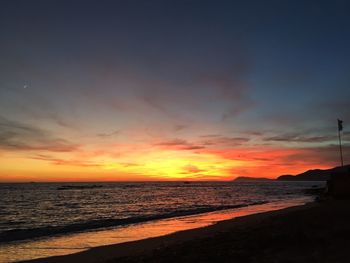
340, 148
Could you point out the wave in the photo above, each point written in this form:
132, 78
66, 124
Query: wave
29, 233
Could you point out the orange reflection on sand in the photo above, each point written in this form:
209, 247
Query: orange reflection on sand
74, 243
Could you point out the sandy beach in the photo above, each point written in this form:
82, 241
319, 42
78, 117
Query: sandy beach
316, 232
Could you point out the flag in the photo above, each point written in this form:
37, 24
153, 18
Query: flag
340, 125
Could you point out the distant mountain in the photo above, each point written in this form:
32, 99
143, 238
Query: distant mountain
251, 179
313, 175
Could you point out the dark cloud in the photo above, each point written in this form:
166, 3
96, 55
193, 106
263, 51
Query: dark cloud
203, 142
179, 144
210, 135
22, 137
325, 154
180, 127
225, 141
295, 137
253, 133
111, 134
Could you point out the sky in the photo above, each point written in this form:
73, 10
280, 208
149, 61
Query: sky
171, 90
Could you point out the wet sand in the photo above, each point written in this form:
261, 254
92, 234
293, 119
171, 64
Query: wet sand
316, 232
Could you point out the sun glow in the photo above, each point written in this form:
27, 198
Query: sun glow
170, 165
147, 162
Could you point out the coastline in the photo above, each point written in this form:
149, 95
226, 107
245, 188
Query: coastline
280, 231
77, 242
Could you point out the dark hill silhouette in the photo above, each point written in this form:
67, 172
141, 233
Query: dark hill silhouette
314, 175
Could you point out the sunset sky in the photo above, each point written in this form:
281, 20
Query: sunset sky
171, 90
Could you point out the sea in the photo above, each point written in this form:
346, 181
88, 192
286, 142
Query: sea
45, 219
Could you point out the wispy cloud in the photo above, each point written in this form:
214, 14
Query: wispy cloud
204, 141
34, 105
295, 137
130, 164
178, 144
69, 162
210, 136
180, 127
110, 134
21, 137
233, 90
328, 154
224, 141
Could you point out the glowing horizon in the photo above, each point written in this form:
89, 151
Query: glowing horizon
167, 160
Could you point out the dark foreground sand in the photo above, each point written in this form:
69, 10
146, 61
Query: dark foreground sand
317, 232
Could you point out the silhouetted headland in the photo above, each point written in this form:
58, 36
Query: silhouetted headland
313, 175
310, 175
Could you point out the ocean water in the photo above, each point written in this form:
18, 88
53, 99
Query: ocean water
39, 210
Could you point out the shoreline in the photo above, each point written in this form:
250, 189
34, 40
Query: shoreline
37, 233
134, 250
77, 242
